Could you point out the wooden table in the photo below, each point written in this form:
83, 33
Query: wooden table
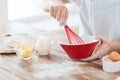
56, 66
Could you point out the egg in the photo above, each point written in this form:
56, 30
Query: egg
115, 56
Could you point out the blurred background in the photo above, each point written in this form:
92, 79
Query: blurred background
29, 13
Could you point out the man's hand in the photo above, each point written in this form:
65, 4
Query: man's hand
59, 11
104, 48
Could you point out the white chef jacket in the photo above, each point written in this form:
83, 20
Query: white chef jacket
100, 17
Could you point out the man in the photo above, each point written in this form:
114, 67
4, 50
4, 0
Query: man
98, 17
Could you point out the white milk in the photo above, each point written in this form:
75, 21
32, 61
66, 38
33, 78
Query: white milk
43, 45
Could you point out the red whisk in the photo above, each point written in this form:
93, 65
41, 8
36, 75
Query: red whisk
73, 38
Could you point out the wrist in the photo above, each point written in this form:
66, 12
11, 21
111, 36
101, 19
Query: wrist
116, 46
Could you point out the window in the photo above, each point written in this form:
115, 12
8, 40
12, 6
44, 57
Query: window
18, 9
29, 13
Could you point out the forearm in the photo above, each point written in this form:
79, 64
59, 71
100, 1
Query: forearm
116, 46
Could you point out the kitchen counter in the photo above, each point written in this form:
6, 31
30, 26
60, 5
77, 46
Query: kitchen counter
56, 66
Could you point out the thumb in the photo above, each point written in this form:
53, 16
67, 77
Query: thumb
105, 49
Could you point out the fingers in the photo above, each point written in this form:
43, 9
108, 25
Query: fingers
51, 11
102, 39
66, 15
105, 49
60, 13
102, 50
63, 16
95, 56
98, 46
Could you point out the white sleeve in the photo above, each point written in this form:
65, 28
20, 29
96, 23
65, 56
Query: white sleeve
78, 2
73, 0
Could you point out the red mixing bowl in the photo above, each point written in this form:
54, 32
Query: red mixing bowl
81, 51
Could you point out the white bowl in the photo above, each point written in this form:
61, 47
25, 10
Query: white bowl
110, 66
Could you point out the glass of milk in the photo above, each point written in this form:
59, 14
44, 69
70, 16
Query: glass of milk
43, 45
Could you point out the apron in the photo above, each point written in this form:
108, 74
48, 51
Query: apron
101, 17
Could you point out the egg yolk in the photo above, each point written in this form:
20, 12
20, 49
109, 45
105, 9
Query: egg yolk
26, 48
26, 54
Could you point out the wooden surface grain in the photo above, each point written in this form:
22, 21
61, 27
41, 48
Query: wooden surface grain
55, 66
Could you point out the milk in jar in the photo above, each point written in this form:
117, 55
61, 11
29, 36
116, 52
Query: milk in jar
43, 45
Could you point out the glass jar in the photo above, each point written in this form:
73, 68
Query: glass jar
44, 42
25, 50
